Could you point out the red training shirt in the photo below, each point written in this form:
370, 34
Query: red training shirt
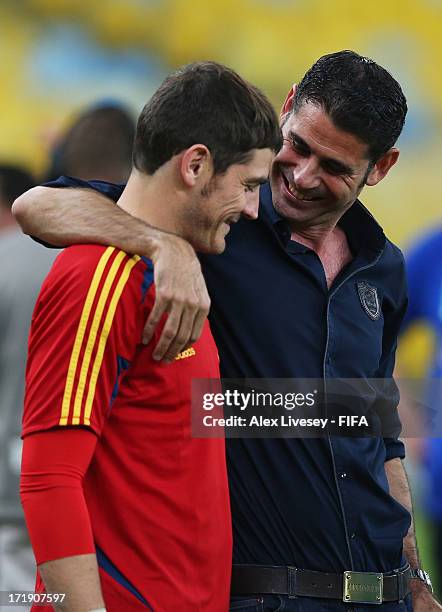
157, 498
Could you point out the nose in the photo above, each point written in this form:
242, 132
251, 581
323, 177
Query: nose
306, 174
252, 205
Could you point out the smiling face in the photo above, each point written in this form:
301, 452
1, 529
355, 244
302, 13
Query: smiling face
320, 170
223, 201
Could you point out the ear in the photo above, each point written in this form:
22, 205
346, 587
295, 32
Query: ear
196, 163
288, 102
382, 166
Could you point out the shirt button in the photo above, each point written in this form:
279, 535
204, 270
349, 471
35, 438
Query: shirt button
353, 535
344, 475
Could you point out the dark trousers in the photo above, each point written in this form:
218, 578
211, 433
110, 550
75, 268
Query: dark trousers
281, 603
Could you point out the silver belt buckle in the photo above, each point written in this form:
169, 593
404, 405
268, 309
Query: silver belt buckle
363, 587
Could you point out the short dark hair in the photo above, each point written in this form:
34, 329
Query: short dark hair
205, 103
14, 181
98, 145
360, 97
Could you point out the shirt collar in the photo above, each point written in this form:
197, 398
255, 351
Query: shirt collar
361, 228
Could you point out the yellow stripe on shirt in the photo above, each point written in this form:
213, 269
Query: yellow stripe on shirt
72, 369
116, 264
104, 335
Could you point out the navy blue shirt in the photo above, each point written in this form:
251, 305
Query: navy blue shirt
317, 503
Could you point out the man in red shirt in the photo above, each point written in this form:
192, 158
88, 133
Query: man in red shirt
125, 510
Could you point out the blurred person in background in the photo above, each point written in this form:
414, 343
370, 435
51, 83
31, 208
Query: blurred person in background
424, 275
13, 182
98, 145
22, 269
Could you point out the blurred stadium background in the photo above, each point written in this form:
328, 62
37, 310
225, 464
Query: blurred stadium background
58, 57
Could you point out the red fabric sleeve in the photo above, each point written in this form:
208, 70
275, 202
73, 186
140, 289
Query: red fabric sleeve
51, 488
88, 320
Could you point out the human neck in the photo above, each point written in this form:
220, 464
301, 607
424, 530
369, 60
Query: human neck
315, 237
153, 199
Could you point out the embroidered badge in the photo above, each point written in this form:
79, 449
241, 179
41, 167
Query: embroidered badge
369, 300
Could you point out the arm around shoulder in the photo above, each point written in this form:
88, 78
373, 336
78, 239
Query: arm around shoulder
61, 216
25, 207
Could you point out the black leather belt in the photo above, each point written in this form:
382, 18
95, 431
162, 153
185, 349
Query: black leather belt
359, 587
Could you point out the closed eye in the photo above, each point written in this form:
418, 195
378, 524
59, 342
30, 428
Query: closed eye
332, 166
336, 169
253, 184
298, 146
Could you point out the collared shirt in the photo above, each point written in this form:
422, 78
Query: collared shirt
320, 504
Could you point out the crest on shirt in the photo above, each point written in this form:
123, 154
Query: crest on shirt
369, 300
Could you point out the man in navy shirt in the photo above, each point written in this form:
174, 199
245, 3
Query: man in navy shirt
312, 289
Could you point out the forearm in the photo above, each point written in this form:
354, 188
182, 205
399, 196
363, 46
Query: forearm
62, 217
400, 490
423, 600
77, 577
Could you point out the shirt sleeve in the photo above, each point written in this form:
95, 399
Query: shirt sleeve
54, 464
387, 404
86, 327
110, 190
